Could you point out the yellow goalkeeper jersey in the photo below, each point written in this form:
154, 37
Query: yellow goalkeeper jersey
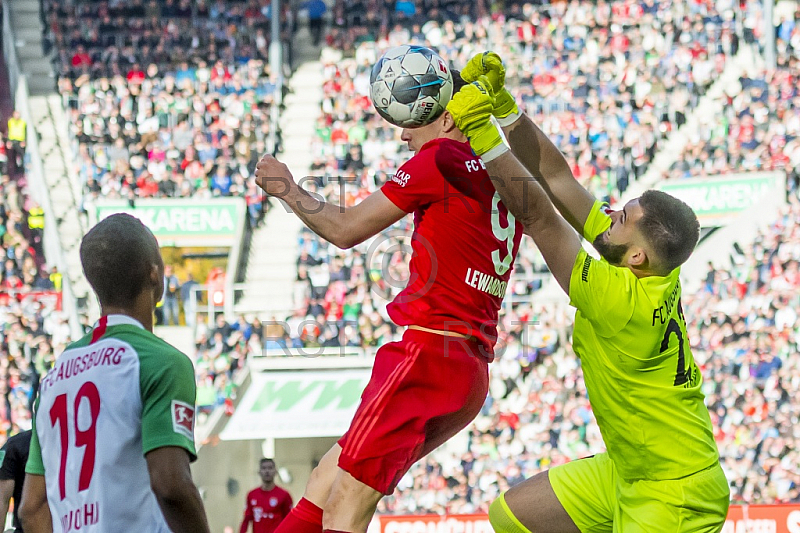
642, 380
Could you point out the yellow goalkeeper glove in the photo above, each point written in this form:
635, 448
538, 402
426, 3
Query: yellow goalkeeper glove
490, 65
471, 108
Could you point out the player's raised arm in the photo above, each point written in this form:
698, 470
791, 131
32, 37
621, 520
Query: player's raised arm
343, 226
541, 157
471, 109
530, 145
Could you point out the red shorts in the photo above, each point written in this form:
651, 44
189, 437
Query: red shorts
424, 389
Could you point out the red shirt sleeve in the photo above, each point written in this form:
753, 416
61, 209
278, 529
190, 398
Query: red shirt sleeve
248, 515
417, 183
287, 505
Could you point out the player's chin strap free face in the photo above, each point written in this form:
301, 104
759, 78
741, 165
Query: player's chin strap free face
418, 137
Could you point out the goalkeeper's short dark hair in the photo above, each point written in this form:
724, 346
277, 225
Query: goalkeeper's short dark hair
671, 228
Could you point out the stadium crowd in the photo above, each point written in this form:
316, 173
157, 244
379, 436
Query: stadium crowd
222, 350
32, 328
759, 128
167, 99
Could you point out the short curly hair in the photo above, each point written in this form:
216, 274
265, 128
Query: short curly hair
670, 227
117, 256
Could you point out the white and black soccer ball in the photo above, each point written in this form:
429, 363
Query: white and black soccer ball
410, 86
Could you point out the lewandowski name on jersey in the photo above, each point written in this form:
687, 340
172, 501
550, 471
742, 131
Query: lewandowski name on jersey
486, 283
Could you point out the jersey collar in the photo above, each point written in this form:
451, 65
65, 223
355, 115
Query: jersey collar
117, 320
440, 140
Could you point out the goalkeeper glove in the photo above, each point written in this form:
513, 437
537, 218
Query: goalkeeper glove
471, 109
490, 65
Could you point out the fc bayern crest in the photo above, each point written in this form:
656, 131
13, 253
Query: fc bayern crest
273, 502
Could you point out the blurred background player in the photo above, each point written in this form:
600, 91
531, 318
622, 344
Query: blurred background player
411, 404
661, 471
13, 457
267, 505
113, 433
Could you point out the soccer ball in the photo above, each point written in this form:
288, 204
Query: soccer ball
410, 86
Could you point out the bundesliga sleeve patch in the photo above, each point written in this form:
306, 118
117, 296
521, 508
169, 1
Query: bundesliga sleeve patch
183, 418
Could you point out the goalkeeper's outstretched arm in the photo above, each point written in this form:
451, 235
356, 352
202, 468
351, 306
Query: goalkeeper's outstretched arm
471, 110
527, 200
531, 146
546, 163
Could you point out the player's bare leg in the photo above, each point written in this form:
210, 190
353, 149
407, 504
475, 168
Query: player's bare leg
350, 506
306, 516
318, 488
535, 505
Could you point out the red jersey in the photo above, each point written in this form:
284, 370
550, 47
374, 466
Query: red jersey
266, 509
464, 242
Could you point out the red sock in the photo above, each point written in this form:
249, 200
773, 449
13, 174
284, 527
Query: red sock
304, 518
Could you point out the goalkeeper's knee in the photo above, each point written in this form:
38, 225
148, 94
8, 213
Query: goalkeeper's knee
502, 519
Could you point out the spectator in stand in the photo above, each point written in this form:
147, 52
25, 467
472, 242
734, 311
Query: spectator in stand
171, 297
189, 297
316, 13
43, 282
56, 278
17, 135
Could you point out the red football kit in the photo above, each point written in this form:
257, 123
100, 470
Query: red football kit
266, 509
427, 387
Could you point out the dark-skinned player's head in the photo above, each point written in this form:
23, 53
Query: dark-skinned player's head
654, 234
444, 126
121, 259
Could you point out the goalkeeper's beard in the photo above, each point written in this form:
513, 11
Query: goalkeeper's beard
613, 253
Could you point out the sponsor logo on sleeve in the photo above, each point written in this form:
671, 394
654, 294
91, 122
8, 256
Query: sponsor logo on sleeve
401, 178
183, 418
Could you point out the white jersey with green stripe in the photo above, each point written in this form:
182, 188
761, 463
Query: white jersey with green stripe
112, 397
